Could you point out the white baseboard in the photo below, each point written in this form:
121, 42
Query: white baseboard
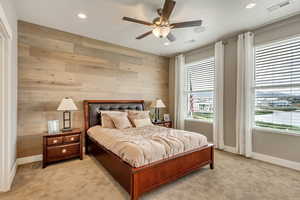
270, 159
276, 161
29, 159
12, 175
230, 149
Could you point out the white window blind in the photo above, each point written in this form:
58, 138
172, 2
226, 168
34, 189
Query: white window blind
200, 76
199, 86
278, 64
277, 85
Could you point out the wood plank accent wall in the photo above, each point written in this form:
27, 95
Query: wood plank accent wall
53, 64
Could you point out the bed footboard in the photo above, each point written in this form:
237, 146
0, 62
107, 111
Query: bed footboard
149, 177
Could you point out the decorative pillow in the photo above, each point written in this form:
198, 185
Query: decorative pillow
135, 114
106, 120
121, 121
142, 122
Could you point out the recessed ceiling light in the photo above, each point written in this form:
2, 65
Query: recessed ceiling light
280, 5
167, 43
199, 29
81, 16
250, 5
190, 41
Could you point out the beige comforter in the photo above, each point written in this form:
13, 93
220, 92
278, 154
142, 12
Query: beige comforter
141, 146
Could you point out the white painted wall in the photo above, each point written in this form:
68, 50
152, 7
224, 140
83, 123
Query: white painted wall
8, 10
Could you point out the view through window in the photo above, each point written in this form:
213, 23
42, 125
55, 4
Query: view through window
199, 86
277, 85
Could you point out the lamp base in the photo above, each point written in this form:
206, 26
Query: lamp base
66, 129
157, 119
67, 121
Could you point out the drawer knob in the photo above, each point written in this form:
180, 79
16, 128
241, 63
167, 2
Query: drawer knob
64, 151
72, 139
55, 141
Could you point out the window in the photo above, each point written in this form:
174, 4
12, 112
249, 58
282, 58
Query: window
199, 87
277, 85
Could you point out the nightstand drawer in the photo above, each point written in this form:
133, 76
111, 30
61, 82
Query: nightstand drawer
71, 138
63, 152
168, 125
54, 140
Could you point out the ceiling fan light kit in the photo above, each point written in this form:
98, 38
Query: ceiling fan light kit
161, 31
161, 25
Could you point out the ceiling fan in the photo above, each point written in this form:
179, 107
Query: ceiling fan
161, 25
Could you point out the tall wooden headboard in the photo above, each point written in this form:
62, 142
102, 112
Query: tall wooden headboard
92, 109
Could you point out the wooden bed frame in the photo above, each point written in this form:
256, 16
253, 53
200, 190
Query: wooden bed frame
137, 181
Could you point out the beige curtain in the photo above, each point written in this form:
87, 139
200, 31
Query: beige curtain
218, 132
244, 104
179, 102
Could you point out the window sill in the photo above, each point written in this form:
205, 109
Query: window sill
271, 130
198, 120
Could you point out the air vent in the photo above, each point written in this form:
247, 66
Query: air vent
280, 5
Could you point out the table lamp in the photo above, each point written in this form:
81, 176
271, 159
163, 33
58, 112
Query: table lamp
67, 105
157, 104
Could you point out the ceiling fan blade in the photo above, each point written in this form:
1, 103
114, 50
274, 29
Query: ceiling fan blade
187, 24
168, 9
143, 35
137, 21
171, 37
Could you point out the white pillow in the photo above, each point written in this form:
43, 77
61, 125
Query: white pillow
142, 122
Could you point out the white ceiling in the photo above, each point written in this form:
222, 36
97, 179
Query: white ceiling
220, 18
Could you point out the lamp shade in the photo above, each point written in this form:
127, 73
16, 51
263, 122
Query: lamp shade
67, 104
158, 103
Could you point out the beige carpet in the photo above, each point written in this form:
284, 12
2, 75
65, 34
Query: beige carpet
234, 178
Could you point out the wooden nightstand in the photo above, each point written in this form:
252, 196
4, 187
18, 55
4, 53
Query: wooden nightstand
62, 146
167, 124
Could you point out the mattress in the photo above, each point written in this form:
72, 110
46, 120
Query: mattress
145, 145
